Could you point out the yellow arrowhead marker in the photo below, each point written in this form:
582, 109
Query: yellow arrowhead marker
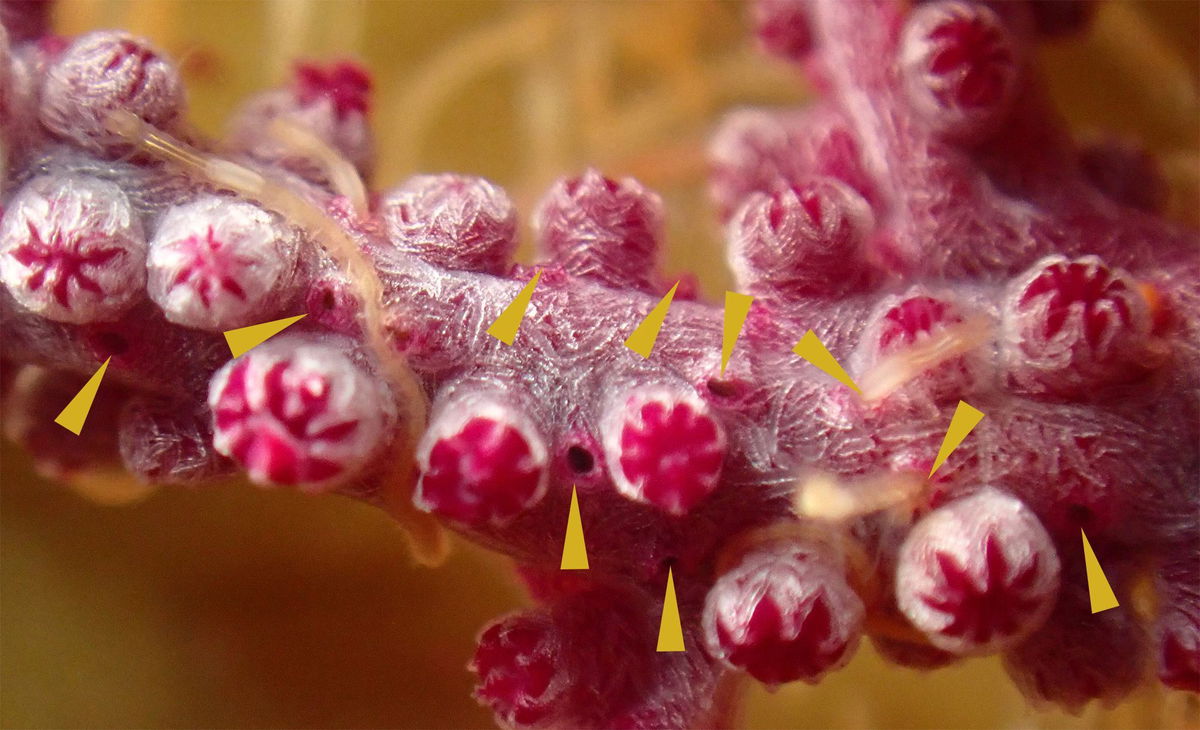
506, 325
643, 338
244, 339
812, 349
574, 556
76, 412
737, 306
1099, 590
965, 419
670, 630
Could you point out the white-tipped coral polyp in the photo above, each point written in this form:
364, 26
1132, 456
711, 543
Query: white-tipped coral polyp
72, 249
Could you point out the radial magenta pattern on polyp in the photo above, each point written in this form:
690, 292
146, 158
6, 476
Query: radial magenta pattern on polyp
72, 249
910, 319
270, 451
782, 614
346, 84
56, 262
1084, 289
667, 449
1075, 325
981, 611
977, 573
487, 468
217, 263
306, 416
519, 677
207, 267
960, 64
976, 52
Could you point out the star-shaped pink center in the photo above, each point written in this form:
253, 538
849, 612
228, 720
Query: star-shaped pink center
53, 263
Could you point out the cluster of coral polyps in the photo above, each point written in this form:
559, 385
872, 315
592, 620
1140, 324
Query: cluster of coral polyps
929, 219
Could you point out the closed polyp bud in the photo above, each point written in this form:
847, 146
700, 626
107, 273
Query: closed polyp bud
782, 27
1071, 325
218, 263
663, 446
456, 221
103, 72
960, 66
481, 461
804, 239
977, 575
344, 84
296, 412
602, 229
518, 663
72, 249
920, 346
782, 614
753, 150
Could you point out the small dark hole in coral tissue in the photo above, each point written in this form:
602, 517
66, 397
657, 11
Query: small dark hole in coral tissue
1079, 515
109, 344
580, 460
722, 388
328, 300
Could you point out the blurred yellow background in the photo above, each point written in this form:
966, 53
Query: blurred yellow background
234, 607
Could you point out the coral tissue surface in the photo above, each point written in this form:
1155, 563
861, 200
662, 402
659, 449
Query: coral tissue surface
929, 219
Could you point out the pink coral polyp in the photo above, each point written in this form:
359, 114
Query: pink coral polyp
1077, 324
481, 463
72, 249
102, 72
961, 65
516, 663
783, 614
303, 415
664, 447
977, 574
217, 264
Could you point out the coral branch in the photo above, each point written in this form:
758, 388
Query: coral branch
930, 222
